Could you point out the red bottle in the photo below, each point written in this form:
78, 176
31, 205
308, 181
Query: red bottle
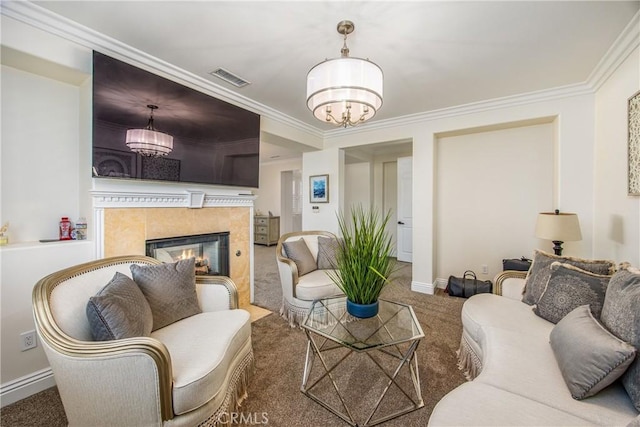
65, 228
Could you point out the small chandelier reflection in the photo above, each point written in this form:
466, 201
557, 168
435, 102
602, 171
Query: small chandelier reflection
149, 141
345, 91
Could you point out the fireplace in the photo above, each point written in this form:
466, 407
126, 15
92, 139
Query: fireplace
211, 251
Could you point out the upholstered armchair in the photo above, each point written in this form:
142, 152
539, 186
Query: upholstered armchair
191, 372
303, 271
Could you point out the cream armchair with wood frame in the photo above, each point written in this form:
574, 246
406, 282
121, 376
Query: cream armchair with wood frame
192, 372
300, 290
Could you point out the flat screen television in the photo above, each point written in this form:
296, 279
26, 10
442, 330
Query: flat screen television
214, 142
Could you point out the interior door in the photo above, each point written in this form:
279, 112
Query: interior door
404, 250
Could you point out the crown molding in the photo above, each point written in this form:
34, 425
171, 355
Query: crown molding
511, 101
43, 19
46, 20
622, 47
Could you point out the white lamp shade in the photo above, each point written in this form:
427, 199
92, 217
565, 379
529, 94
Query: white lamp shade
149, 142
563, 227
339, 81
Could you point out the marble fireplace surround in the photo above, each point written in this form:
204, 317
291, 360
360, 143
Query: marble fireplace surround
124, 220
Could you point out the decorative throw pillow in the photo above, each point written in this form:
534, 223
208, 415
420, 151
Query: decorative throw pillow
539, 273
119, 310
621, 315
570, 287
590, 357
170, 290
328, 248
298, 252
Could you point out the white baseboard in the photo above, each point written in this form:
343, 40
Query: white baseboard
424, 288
20, 388
441, 283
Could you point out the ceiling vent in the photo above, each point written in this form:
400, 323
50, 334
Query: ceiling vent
229, 77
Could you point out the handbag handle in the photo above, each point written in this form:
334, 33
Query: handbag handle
470, 273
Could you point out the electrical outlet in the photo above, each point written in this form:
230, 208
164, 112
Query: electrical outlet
485, 269
28, 340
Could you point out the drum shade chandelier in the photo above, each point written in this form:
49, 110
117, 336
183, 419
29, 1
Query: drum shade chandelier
345, 91
149, 141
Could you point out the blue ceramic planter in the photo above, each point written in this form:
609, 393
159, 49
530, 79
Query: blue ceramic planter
362, 311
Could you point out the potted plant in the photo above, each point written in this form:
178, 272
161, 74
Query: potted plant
363, 260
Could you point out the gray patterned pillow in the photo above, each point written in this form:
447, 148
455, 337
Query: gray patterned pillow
539, 273
328, 248
621, 315
170, 290
590, 357
570, 287
119, 310
298, 252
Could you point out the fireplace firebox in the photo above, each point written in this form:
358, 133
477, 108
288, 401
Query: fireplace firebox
211, 251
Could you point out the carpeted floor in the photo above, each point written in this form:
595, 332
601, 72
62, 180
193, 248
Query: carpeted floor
274, 392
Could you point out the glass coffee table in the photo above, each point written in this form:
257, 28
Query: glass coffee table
392, 336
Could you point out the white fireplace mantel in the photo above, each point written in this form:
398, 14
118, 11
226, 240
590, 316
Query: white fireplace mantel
151, 199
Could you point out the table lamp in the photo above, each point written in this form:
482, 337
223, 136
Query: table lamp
559, 228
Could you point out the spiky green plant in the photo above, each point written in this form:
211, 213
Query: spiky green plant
363, 261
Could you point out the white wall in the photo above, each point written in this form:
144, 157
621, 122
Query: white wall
617, 219
40, 140
358, 187
269, 197
489, 188
326, 162
42, 161
573, 172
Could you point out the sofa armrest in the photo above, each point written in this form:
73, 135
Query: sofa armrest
510, 284
216, 293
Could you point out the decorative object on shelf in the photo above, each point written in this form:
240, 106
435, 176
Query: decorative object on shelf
345, 91
633, 111
149, 141
319, 189
559, 228
65, 228
4, 238
363, 261
80, 229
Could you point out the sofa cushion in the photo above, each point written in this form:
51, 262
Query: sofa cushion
298, 252
315, 285
119, 310
522, 362
539, 273
200, 362
327, 251
621, 316
483, 310
477, 404
569, 287
170, 290
589, 356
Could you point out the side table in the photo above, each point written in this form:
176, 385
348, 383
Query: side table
394, 332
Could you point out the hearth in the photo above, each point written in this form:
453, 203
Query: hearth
210, 250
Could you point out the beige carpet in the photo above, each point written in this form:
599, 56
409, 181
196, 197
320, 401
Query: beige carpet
274, 392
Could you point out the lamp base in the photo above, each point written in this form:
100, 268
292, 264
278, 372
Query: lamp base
557, 247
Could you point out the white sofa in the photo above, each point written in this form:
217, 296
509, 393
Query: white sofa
192, 372
300, 290
516, 381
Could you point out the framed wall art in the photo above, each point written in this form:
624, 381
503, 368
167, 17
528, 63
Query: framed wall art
319, 189
633, 111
